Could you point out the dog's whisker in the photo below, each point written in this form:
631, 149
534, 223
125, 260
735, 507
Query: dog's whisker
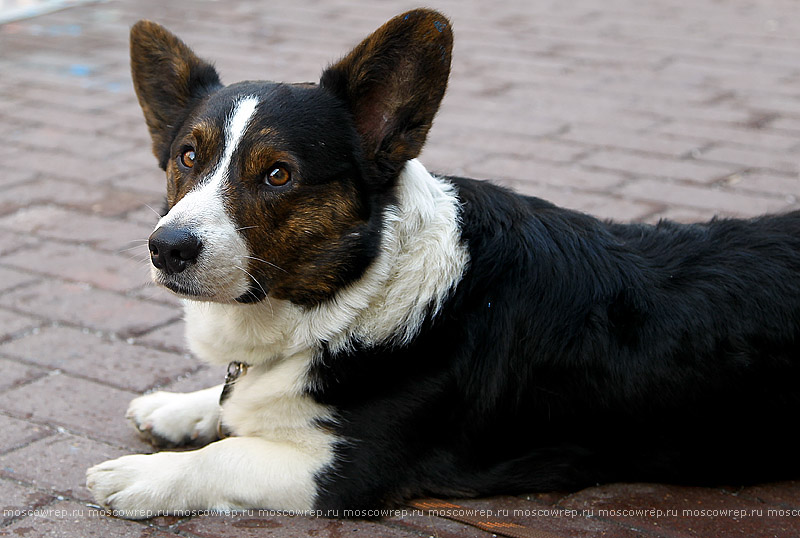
253, 278
153, 210
129, 249
138, 244
268, 263
266, 296
269, 302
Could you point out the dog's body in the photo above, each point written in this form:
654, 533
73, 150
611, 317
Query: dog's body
410, 335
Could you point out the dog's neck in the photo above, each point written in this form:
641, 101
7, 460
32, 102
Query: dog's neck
420, 261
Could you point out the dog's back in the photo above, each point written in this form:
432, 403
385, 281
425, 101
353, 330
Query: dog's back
587, 352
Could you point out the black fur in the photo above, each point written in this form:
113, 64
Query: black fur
576, 351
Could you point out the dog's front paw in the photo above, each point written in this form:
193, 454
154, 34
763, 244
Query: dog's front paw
170, 419
140, 486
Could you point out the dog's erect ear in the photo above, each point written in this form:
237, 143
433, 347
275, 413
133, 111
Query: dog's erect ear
168, 78
393, 83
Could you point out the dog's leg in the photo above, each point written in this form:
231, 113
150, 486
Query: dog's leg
171, 419
231, 474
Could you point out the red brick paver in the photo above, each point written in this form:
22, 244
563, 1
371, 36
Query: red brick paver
624, 109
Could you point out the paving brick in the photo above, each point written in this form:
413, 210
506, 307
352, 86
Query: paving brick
780, 494
546, 497
430, 525
68, 141
622, 119
57, 464
13, 374
76, 404
68, 519
791, 125
704, 75
11, 322
77, 303
525, 124
148, 180
783, 105
157, 294
82, 264
50, 164
11, 278
532, 515
742, 204
649, 86
17, 433
694, 512
600, 205
530, 169
731, 134
81, 99
751, 159
88, 121
11, 241
15, 176
16, 500
610, 137
115, 363
147, 213
631, 163
764, 182
246, 526
97, 199
171, 337
487, 144
75, 227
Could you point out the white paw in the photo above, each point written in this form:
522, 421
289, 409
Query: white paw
140, 486
173, 419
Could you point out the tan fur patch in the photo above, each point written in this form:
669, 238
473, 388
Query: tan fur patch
298, 242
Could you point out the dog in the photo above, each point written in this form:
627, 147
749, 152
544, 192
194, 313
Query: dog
393, 334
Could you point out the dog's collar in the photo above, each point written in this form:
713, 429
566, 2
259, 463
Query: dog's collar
236, 370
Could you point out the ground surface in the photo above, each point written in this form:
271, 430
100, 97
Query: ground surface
625, 109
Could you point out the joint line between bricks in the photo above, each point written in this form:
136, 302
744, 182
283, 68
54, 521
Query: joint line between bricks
61, 429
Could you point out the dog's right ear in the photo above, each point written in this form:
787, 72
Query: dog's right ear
168, 78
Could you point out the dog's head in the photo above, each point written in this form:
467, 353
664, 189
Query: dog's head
280, 189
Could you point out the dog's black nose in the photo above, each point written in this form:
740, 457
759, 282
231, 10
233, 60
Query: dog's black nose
172, 249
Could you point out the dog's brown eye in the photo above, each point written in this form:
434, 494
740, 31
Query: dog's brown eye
187, 158
278, 176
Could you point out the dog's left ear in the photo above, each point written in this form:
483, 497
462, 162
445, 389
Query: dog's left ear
393, 83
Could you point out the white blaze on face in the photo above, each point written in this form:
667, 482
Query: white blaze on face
221, 269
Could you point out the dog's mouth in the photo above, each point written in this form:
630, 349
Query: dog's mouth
188, 286
181, 288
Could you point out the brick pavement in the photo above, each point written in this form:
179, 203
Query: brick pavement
628, 110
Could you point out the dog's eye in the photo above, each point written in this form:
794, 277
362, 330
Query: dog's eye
187, 158
278, 175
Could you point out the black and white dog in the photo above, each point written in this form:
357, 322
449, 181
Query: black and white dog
400, 334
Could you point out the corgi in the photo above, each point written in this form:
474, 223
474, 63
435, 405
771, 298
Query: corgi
392, 334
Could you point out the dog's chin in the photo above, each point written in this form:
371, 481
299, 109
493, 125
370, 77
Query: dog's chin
190, 289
